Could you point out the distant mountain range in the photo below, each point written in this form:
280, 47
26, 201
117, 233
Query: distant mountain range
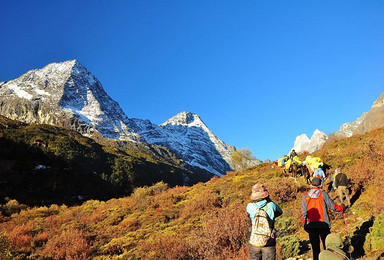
368, 121
66, 94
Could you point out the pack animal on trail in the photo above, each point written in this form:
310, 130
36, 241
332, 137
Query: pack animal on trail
306, 174
294, 167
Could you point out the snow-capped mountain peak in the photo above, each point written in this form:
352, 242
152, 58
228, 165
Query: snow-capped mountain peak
65, 94
185, 119
188, 136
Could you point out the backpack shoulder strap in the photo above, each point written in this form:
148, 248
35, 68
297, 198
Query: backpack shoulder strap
337, 254
262, 208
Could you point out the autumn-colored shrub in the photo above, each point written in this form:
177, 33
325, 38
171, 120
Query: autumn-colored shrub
282, 190
4, 250
201, 203
21, 237
12, 207
164, 246
142, 196
377, 200
222, 233
40, 239
362, 173
70, 244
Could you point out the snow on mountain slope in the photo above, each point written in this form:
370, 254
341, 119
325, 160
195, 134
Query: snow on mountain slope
188, 136
65, 94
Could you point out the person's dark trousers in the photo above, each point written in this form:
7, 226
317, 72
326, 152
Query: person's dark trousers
315, 235
265, 253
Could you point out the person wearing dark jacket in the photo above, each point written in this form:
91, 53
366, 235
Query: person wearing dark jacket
314, 206
341, 183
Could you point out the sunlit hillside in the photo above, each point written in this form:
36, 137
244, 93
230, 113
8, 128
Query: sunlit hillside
205, 221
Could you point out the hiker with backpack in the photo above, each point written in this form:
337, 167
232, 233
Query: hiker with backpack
341, 183
262, 212
334, 250
314, 206
319, 173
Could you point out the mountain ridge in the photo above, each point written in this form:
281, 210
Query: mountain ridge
368, 121
67, 94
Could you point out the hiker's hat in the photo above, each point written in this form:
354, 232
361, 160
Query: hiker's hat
334, 239
259, 192
316, 182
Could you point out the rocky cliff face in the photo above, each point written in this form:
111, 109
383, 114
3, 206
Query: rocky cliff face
303, 143
192, 140
370, 120
67, 94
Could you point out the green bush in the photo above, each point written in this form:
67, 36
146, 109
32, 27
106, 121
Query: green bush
375, 238
286, 225
290, 246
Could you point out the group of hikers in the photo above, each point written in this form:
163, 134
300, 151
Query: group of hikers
314, 210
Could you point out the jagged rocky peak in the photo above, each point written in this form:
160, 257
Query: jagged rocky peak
49, 81
65, 94
303, 143
186, 119
370, 120
187, 136
56, 71
379, 102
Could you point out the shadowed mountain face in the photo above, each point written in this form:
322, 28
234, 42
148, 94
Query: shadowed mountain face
44, 164
67, 94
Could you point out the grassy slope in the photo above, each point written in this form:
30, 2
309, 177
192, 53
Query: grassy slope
207, 220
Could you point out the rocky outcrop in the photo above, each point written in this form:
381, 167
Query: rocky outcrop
188, 136
303, 143
370, 120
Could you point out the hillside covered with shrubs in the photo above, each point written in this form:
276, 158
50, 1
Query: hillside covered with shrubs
204, 221
44, 164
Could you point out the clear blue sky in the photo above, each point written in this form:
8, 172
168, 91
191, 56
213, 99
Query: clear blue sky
259, 73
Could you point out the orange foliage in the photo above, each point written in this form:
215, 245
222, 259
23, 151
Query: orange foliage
164, 246
41, 239
21, 237
206, 221
69, 244
377, 200
202, 203
222, 233
283, 190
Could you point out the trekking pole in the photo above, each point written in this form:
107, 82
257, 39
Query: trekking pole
350, 247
